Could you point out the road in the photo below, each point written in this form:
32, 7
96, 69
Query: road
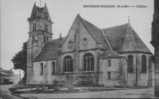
127, 93
5, 93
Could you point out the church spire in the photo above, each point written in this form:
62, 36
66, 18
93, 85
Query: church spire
40, 12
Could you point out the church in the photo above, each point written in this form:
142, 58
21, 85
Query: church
87, 56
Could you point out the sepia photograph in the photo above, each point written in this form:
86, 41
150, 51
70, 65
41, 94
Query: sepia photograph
79, 49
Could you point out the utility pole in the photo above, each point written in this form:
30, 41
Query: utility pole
155, 43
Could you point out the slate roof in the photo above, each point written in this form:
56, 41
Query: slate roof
117, 39
123, 38
94, 31
50, 50
40, 13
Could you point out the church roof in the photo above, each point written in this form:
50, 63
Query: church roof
40, 13
50, 50
119, 38
94, 31
123, 38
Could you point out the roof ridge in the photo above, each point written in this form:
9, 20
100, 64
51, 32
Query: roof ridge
90, 23
83, 22
107, 41
116, 26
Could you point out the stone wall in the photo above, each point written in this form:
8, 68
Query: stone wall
137, 78
117, 70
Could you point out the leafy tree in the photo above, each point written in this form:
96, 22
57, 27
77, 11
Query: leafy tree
20, 60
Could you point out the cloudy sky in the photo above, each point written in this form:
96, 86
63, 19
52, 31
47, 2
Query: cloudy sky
102, 13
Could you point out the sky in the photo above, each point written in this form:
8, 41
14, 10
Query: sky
15, 27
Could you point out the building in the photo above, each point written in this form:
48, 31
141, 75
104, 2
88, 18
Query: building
88, 55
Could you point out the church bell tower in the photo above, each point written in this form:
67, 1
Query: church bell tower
40, 32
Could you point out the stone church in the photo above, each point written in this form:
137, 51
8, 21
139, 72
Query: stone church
87, 56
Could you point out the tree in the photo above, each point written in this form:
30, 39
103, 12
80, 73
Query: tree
20, 60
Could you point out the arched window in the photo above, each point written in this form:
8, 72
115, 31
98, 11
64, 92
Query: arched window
88, 62
143, 68
53, 67
34, 27
130, 64
109, 75
41, 68
109, 63
68, 64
